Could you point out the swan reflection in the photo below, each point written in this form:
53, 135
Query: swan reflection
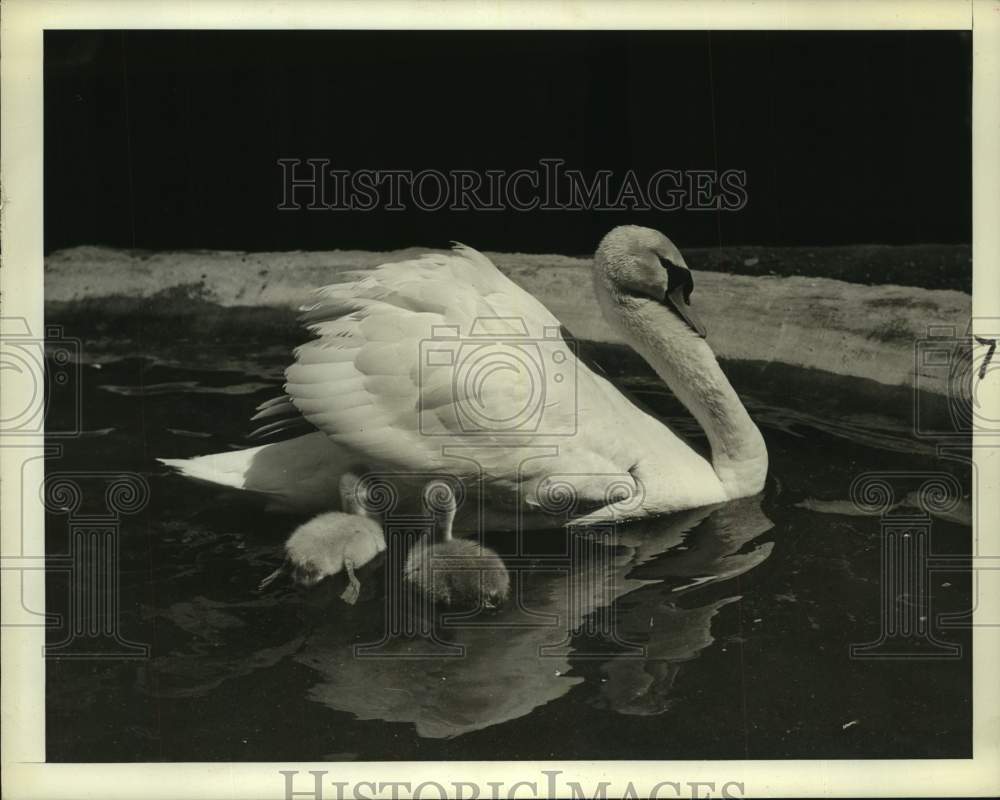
470, 672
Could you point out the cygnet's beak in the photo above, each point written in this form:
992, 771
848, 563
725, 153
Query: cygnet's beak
678, 296
492, 601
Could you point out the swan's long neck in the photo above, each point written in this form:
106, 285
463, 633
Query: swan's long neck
686, 363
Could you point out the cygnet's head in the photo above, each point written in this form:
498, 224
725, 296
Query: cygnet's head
353, 494
642, 263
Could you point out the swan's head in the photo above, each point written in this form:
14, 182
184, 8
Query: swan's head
634, 262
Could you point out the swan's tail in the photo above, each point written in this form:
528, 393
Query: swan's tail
299, 474
223, 469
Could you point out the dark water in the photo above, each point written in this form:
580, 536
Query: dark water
718, 633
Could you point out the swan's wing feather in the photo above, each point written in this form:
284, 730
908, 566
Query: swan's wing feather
439, 350
293, 425
278, 416
443, 364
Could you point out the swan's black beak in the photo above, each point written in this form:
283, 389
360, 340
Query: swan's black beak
680, 284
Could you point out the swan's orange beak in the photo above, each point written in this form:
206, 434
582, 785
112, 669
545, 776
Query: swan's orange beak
680, 284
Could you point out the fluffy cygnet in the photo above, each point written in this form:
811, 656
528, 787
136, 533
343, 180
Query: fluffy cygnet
333, 542
459, 573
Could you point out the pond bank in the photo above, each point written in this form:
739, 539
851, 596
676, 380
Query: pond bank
816, 323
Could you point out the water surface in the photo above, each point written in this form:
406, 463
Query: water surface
717, 633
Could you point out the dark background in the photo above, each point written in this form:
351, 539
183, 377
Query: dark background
170, 139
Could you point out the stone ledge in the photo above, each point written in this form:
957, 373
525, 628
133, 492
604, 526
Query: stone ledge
819, 323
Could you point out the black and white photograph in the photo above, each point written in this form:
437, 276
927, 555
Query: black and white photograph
395, 398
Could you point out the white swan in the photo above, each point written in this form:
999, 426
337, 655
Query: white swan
443, 365
332, 542
453, 572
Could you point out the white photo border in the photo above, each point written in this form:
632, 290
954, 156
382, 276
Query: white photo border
25, 773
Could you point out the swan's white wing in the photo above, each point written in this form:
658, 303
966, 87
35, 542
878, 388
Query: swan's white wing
442, 363
377, 384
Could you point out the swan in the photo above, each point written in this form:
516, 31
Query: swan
332, 542
454, 572
425, 366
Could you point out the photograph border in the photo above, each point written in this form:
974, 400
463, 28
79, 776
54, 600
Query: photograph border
25, 773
